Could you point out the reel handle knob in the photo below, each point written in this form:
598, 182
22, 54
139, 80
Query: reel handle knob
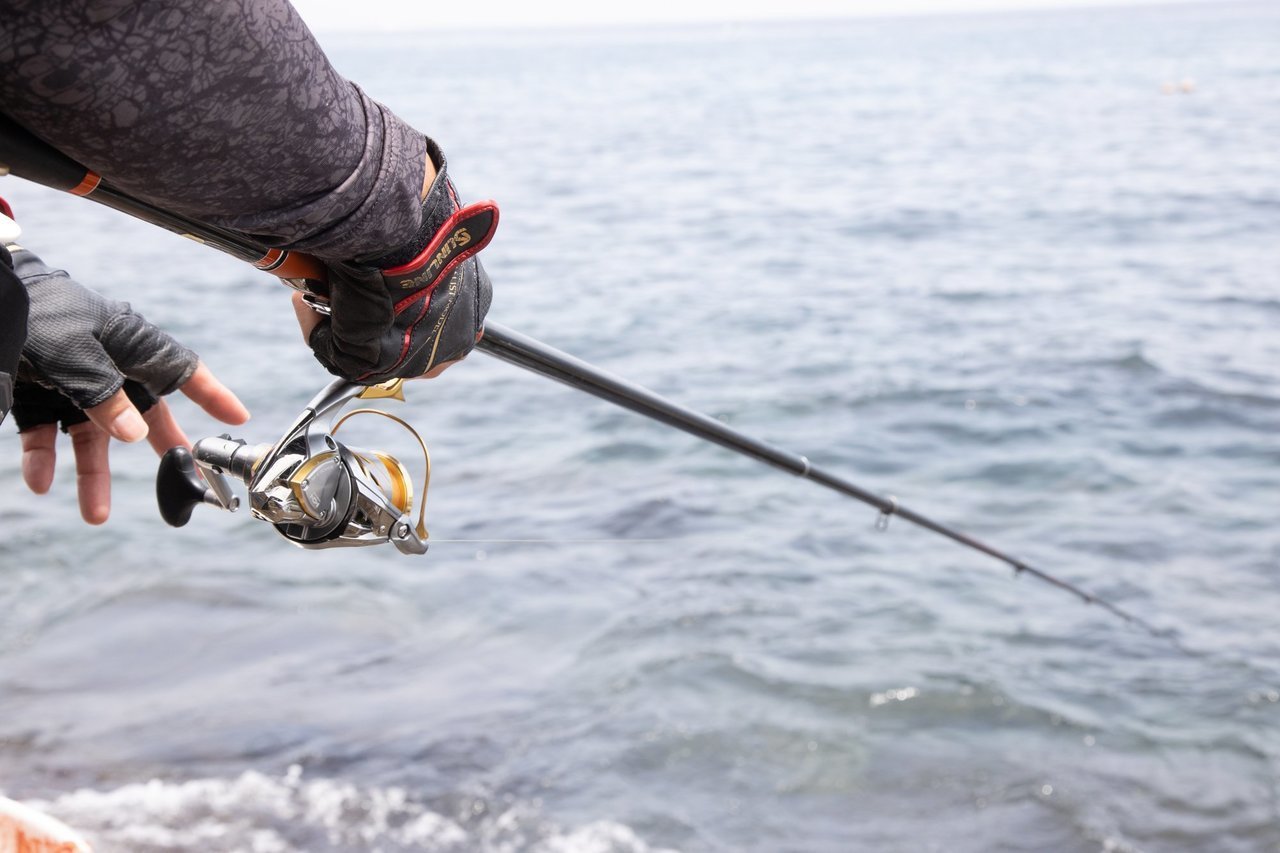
178, 487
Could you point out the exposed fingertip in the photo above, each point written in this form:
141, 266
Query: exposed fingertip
39, 483
238, 414
127, 426
229, 410
96, 515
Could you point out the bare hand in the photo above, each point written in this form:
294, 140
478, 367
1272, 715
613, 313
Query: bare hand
118, 418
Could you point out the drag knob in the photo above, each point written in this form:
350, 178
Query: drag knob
178, 487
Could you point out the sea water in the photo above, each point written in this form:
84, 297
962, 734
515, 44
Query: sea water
1020, 271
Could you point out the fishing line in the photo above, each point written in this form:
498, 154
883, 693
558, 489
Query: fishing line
31, 158
435, 541
525, 352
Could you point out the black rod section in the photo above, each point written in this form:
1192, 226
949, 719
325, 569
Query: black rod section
522, 351
25, 155
29, 157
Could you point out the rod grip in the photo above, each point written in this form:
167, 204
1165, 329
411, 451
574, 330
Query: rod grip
299, 265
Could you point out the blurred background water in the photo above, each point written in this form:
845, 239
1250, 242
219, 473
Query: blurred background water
1018, 270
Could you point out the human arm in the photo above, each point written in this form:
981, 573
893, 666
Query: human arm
231, 114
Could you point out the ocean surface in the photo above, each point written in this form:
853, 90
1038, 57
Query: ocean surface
1020, 271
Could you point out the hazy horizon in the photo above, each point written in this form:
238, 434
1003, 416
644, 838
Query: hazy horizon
401, 15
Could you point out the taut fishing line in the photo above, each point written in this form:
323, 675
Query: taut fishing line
319, 493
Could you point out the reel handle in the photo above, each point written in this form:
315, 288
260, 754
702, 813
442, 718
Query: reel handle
179, 488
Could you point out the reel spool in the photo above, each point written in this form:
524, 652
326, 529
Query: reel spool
316, 491
387, 472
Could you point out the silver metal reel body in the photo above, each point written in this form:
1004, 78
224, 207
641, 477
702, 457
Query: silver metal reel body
316, 491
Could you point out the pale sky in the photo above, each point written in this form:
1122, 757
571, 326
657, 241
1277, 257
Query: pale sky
401, 15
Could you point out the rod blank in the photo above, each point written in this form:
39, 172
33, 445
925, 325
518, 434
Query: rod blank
30, 157
522, 351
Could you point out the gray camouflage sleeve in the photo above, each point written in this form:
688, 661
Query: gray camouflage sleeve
227, 112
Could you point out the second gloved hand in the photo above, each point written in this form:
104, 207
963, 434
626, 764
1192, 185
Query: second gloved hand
406, 314
96, 368
84, 345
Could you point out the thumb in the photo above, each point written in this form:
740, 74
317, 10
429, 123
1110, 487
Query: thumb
308, 317
118, 418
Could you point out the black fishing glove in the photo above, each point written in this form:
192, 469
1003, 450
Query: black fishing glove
84, 346
404, 313
35, 405
13, 328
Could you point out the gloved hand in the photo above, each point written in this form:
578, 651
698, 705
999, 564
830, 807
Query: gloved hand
92, 364
83, 344
409, 313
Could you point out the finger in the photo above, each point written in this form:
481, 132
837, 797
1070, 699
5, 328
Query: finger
214, 397
39, 456
308, 317
164, 431
119, 418
93, 472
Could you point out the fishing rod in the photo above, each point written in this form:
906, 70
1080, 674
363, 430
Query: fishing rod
321, 493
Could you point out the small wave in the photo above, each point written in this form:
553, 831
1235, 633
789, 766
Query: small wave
1135, 363
1177, 379
976, 297
1202, 415
631, 451
656, 517
256, 813
907, 225
1235, 300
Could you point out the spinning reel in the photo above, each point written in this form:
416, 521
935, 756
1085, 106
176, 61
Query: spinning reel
315, 490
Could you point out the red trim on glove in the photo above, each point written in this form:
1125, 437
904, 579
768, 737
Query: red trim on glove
427, 293
443, 233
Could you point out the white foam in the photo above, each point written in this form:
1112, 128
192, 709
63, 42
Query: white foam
901, 695
256, 813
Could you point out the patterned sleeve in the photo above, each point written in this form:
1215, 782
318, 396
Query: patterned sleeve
228, 112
